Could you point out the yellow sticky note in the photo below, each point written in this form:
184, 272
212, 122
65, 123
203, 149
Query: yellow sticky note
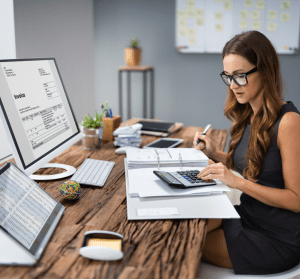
182, 32
192, 41
190, 5
272, 26
285, 17
219, 27
199, 12
200, 21
190, 13
256, 25
286, 5
182, 22
255, 14
243, 24
260, 4
244, 14
227, 5
191, 32
248, 3
272, 14
218, 16
181, 13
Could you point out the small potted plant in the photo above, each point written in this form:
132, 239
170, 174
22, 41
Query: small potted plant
92, 129
133, 53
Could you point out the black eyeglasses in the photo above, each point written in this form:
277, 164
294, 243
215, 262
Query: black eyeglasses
239, 79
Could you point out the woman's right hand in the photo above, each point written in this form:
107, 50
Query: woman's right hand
204, 145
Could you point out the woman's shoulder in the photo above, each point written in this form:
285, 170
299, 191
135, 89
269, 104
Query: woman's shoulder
289, 126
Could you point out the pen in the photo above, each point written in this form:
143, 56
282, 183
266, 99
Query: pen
110, 113
204, 132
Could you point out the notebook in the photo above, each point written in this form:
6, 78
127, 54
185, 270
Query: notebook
168, 157
160, 126
140, 164
144, 183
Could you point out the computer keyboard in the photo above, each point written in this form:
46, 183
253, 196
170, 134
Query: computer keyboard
93, 172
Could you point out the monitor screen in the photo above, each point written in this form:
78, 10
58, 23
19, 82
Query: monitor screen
36, 110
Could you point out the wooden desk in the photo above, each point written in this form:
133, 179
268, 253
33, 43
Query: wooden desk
152, 249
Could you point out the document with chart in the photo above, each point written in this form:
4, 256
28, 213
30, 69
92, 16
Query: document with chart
39, 100
27, 212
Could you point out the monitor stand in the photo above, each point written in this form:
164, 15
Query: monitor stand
69, 171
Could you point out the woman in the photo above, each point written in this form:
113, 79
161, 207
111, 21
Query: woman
265, 149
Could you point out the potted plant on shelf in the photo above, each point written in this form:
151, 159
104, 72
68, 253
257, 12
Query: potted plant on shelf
133, 53
92, 129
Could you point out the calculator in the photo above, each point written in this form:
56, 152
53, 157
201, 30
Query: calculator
183, 179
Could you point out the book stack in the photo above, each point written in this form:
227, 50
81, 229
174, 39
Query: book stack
128, 136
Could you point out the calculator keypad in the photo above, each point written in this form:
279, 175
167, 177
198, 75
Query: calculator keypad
190, 178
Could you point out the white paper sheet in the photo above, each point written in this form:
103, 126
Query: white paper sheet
144, 183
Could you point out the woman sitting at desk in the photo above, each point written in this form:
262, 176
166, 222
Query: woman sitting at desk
265, 149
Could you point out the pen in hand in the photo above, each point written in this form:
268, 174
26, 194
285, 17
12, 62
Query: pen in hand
204, 132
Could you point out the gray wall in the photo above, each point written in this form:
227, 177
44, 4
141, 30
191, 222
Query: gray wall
63, 29
188, 87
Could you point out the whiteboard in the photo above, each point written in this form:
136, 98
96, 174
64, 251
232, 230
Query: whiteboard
204, 26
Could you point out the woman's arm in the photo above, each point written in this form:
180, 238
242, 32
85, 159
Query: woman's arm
289, 145
219, 156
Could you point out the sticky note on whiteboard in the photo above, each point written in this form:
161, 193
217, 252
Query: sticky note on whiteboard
285, 17
260, 4
243, 24
227, 5
272, 26
200, 21
272, 14
219, 27
192, 41
285, 5
256, 25
218, 16
243, 14
181, 13
256, 15
248, 3
190, 4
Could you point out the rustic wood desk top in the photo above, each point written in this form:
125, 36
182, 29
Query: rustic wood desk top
152, 249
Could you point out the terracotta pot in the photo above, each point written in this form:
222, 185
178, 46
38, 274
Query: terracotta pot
92, 137
133, 56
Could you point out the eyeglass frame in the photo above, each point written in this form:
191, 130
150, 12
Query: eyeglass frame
232, 78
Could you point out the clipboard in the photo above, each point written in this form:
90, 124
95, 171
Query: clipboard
28, 217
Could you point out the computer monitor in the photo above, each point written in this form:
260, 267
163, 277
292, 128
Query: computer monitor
36, 113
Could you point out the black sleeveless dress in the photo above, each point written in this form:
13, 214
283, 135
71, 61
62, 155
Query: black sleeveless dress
266, 239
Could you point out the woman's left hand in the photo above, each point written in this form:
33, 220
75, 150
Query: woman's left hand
219, 171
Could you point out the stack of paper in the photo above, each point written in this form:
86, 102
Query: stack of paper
165, 157
128, 136
144, 183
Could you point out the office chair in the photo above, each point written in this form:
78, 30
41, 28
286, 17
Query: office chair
207, 270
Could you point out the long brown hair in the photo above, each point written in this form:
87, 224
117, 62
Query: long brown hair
259, 51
